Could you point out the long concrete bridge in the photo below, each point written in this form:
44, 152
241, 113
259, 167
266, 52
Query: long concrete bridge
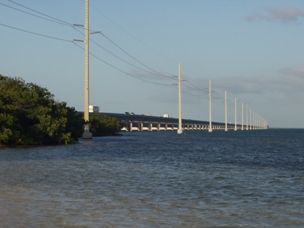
134, 122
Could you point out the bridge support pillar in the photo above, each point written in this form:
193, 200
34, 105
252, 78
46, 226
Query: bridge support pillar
141, 126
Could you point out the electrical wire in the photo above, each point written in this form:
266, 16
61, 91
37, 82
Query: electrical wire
35, 33
197, 88
116, 56
52, 19
61, 22
132, 35
139, 68
58, 21
122, 71
134, 57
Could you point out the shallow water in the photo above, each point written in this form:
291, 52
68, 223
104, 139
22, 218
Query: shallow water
157, 179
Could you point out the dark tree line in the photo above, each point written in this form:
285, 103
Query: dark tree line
29, 115
102, 125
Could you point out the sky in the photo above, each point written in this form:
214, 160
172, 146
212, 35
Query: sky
252, 49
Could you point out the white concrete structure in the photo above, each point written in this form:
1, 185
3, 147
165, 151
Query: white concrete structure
235, 115
180, 128
210, 106
93, 108
86, 134
226, 112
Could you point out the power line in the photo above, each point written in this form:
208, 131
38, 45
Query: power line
149, 72
137, 77
34, 33
123, 59
52, 19
134, 57
133, 38
191, 94
195, 87
56, 20
157, 52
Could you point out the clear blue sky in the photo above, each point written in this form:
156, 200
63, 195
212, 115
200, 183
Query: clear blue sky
252, 49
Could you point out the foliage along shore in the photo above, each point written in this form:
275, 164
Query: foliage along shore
29, 115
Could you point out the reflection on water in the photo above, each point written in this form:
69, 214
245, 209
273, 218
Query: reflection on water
157, 179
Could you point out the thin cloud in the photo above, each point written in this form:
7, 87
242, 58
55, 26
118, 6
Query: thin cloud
286, 14
288, 85
289, 80
243, 85
293, 77
294, 72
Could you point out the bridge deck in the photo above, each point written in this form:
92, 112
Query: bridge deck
134, 122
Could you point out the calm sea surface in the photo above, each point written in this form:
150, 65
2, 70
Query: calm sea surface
157, 179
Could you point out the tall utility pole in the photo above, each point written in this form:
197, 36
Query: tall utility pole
180, 128
235, 115
86, 134
250, 125
210, 106
246, 117
226, 112
242, 116
253, 120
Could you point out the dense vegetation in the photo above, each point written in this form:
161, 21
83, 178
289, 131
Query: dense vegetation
29, 115
102, 125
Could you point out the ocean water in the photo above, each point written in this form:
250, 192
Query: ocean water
158, 179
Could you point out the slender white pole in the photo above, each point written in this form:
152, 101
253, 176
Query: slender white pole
226, 112
210, 106
253, 121
86, 134
235, 115
246, 117
250, 125
180, 129
256, 121
242, 116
